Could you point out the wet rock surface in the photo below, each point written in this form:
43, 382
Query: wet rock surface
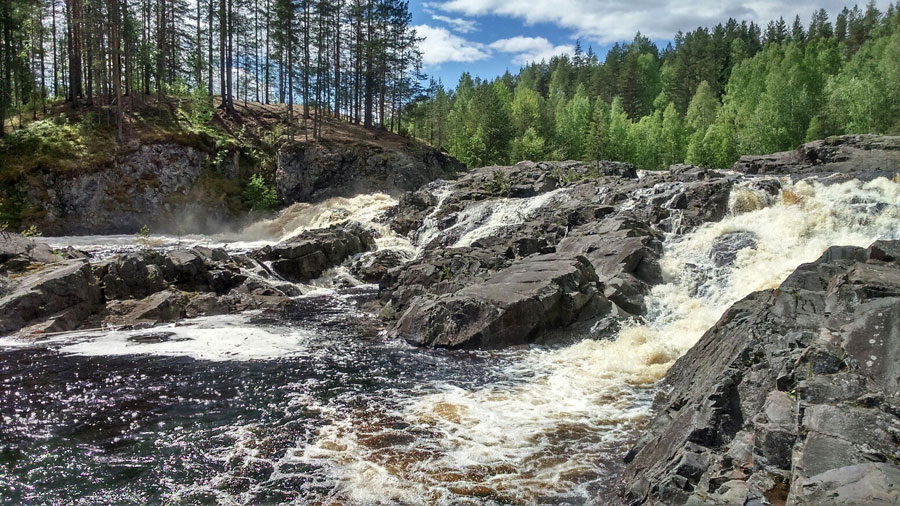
311, 253
791, 398
497, 219
511, 307
46, 291
60, 295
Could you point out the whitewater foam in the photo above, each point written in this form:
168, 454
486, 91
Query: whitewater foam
214, 338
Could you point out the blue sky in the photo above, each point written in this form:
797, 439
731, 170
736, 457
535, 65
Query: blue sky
486, 37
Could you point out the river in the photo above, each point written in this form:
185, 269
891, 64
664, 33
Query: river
320, 406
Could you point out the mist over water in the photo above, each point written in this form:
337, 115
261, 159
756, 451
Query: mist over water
319, 407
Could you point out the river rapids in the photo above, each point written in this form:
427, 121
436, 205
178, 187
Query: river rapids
321, 407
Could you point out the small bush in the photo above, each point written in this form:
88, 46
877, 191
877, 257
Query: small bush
197, 113
259, 195
499, 185
31, 231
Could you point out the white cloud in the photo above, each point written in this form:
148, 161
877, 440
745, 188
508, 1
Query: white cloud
457, 24
439, 46
613, 20
530, 49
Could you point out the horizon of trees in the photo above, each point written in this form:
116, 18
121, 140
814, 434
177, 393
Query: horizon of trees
707, 98
713, 95
352, 59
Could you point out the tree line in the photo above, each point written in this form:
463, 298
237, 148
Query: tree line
352, 59
707, 98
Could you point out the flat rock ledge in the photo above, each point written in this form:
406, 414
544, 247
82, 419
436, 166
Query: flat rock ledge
793, 397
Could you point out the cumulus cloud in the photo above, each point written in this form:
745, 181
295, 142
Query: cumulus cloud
440, 46
457, 24
530, 49
607, 21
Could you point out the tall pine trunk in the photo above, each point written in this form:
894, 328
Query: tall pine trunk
222, 70
114, 41
161, 51
209, 40
337, 59
306, 69
55, 61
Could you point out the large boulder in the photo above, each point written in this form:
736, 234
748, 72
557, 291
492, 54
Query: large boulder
512, 307
373, 267
135, 275
309, 171
440, 271
142, 273
205, 270
312, 252
625, 254
792, 397
65, 292
17, 252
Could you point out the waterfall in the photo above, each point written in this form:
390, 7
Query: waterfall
547, 428
301, 217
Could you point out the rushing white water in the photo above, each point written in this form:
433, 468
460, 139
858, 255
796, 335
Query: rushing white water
301, 217
429, 230
485, 218
289, 223
104, 246
213, 338
546, 430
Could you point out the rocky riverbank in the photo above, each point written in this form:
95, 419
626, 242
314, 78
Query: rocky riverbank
768, 406
44, 291
791, 398
502, 255
598, 226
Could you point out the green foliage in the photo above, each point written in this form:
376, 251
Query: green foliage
196, 111
573, 125
617, 145
865, 96
51, 143
528, 111
31, 231
258, 194
715, 95
262, 151
530, 146
701, 113
598, 135
143, 233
